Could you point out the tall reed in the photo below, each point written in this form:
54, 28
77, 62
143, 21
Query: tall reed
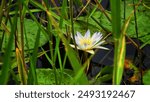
119, 41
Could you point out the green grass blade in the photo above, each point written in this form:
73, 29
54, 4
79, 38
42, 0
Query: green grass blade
53, 66
119, 42
32, 77
119, 60
21, 69
2, 6
72, 55
116, 18
7, 57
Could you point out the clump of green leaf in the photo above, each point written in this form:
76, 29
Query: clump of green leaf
47, 77
146, 78
31, 32
143, 22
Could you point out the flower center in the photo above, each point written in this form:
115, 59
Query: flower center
86, 43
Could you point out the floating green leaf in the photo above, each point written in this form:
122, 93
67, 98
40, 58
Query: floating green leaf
31, 32
146, 78
47, 77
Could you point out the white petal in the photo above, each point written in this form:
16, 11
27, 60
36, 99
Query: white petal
90, 51
83, 47
99, 43
96, 38
100, 34
79, 45
87, 34
95, 35
73, 46
101, 47
79, 35
77, 39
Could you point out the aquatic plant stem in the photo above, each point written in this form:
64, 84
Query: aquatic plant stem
119, 42
24, 69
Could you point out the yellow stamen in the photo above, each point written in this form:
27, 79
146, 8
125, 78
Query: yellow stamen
86, 42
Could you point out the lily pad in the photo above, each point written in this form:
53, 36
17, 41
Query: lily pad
143, 22
146, 78
47, 76
30, 32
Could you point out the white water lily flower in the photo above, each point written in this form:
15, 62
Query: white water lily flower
88, 43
